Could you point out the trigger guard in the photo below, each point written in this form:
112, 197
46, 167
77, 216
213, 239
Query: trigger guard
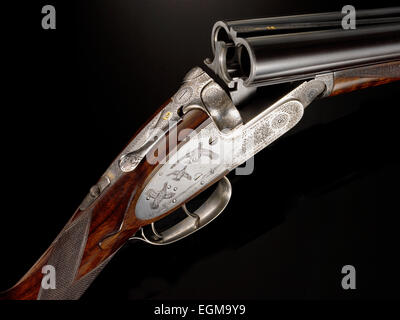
206, 213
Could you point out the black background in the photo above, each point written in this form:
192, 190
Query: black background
323, 197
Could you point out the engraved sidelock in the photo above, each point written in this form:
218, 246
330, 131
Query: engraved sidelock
207, 155
198, 163
188, 96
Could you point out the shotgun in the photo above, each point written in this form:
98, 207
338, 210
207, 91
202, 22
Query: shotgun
217, 121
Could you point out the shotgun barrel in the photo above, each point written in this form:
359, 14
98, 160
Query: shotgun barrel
275, 50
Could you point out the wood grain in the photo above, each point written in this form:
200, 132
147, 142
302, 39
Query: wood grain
365, 77
115, 207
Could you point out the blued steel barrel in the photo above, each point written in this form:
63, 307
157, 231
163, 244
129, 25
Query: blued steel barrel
301, 47
304, 22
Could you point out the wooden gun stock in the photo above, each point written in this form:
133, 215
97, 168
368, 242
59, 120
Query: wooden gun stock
365, 77
93, 235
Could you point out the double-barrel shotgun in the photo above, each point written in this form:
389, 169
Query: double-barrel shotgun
217, 120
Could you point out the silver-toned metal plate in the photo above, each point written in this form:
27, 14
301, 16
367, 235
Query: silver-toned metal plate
210, 154
189, 93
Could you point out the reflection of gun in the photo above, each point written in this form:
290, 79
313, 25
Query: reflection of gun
141, 186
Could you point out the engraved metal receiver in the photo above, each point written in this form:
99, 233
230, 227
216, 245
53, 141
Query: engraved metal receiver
207, 155
218, 146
